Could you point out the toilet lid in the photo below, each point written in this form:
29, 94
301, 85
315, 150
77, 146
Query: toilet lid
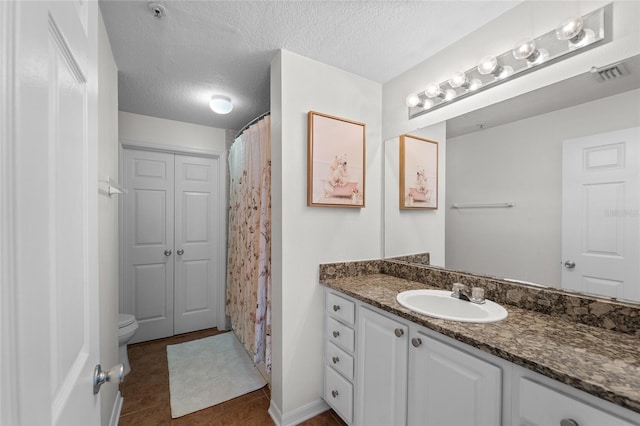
125, 319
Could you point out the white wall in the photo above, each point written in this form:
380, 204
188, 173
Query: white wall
530, 18
520, 162
414, 231
107, 216
143, 128
304, 237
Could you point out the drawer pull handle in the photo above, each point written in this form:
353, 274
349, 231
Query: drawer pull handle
336, 334
335, 359
336, 308
334, 393
568, 422
399, 332
416, 342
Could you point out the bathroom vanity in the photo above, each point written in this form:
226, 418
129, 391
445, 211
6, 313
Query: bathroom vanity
387, 365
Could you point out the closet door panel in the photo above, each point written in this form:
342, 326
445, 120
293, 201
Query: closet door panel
148, 242
196, 239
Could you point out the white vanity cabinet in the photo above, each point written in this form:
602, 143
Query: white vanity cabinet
381, 358
448, 386
381, 369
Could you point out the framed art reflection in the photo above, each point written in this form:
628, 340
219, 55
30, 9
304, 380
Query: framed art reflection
418, 173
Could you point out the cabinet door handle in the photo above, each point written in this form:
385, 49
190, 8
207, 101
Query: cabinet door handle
416, 342
399, 332
336, 308
180, 252
568, 422
334, 393
167, 252
336, 334
335, 359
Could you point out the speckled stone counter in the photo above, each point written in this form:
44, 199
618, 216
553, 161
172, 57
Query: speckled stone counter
593, 359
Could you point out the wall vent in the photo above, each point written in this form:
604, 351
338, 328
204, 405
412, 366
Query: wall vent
609, 72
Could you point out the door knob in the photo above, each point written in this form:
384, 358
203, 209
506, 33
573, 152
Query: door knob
180, 252
167, 252
569, 264
416, 342
115, 374
399, 332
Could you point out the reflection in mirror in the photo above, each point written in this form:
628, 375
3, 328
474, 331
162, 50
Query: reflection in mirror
559, 170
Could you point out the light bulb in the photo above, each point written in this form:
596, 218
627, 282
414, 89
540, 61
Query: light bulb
525, 49
428, 103
449, 94
459, 79
412, 100
570, 28
504, 72
220, 104
488, 65
432, 90
475, 84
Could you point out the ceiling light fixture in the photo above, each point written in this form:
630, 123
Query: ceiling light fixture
220, 104
572, 36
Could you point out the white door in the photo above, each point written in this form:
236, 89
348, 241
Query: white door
170, 242
148, 253
196, 241
54, 210
601, 213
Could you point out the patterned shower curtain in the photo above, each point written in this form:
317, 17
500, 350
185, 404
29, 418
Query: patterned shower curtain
248, 301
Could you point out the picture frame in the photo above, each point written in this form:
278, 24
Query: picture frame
335, 161
418, 173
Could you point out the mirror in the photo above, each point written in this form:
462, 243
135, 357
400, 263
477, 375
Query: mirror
504, 169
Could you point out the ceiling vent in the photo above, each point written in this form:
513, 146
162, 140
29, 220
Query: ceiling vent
609, 72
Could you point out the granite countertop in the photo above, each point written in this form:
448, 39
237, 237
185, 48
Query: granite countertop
598, 361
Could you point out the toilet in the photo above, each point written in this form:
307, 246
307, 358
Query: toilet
127, 326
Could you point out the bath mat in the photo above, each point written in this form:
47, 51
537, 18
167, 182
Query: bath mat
206, 372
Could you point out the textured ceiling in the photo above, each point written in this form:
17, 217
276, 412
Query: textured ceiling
169, 68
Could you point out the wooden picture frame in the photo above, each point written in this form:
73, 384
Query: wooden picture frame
418, 173
335, 162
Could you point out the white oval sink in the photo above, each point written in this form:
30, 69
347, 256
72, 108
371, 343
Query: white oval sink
440, 304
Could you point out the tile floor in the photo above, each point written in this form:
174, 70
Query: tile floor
146, 393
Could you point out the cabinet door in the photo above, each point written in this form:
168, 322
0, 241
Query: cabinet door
540, 406
382, 370
450, 387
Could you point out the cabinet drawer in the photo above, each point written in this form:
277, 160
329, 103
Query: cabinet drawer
339, 359
340, 334
338, 392
541, 405
340, 307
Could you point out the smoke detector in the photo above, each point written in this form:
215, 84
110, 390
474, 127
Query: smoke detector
158, 10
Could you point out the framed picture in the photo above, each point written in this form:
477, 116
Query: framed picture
418, 173
336, 162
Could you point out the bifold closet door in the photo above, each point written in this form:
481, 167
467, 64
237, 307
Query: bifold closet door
170, 242
196, 211
148, 242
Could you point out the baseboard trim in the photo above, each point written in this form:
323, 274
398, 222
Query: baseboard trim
298, 415
115, 411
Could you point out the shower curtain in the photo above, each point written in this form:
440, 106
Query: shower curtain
248, 301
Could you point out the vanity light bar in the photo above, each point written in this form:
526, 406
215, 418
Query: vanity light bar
572, 36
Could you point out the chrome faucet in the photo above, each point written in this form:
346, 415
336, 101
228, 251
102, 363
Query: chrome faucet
461, 291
